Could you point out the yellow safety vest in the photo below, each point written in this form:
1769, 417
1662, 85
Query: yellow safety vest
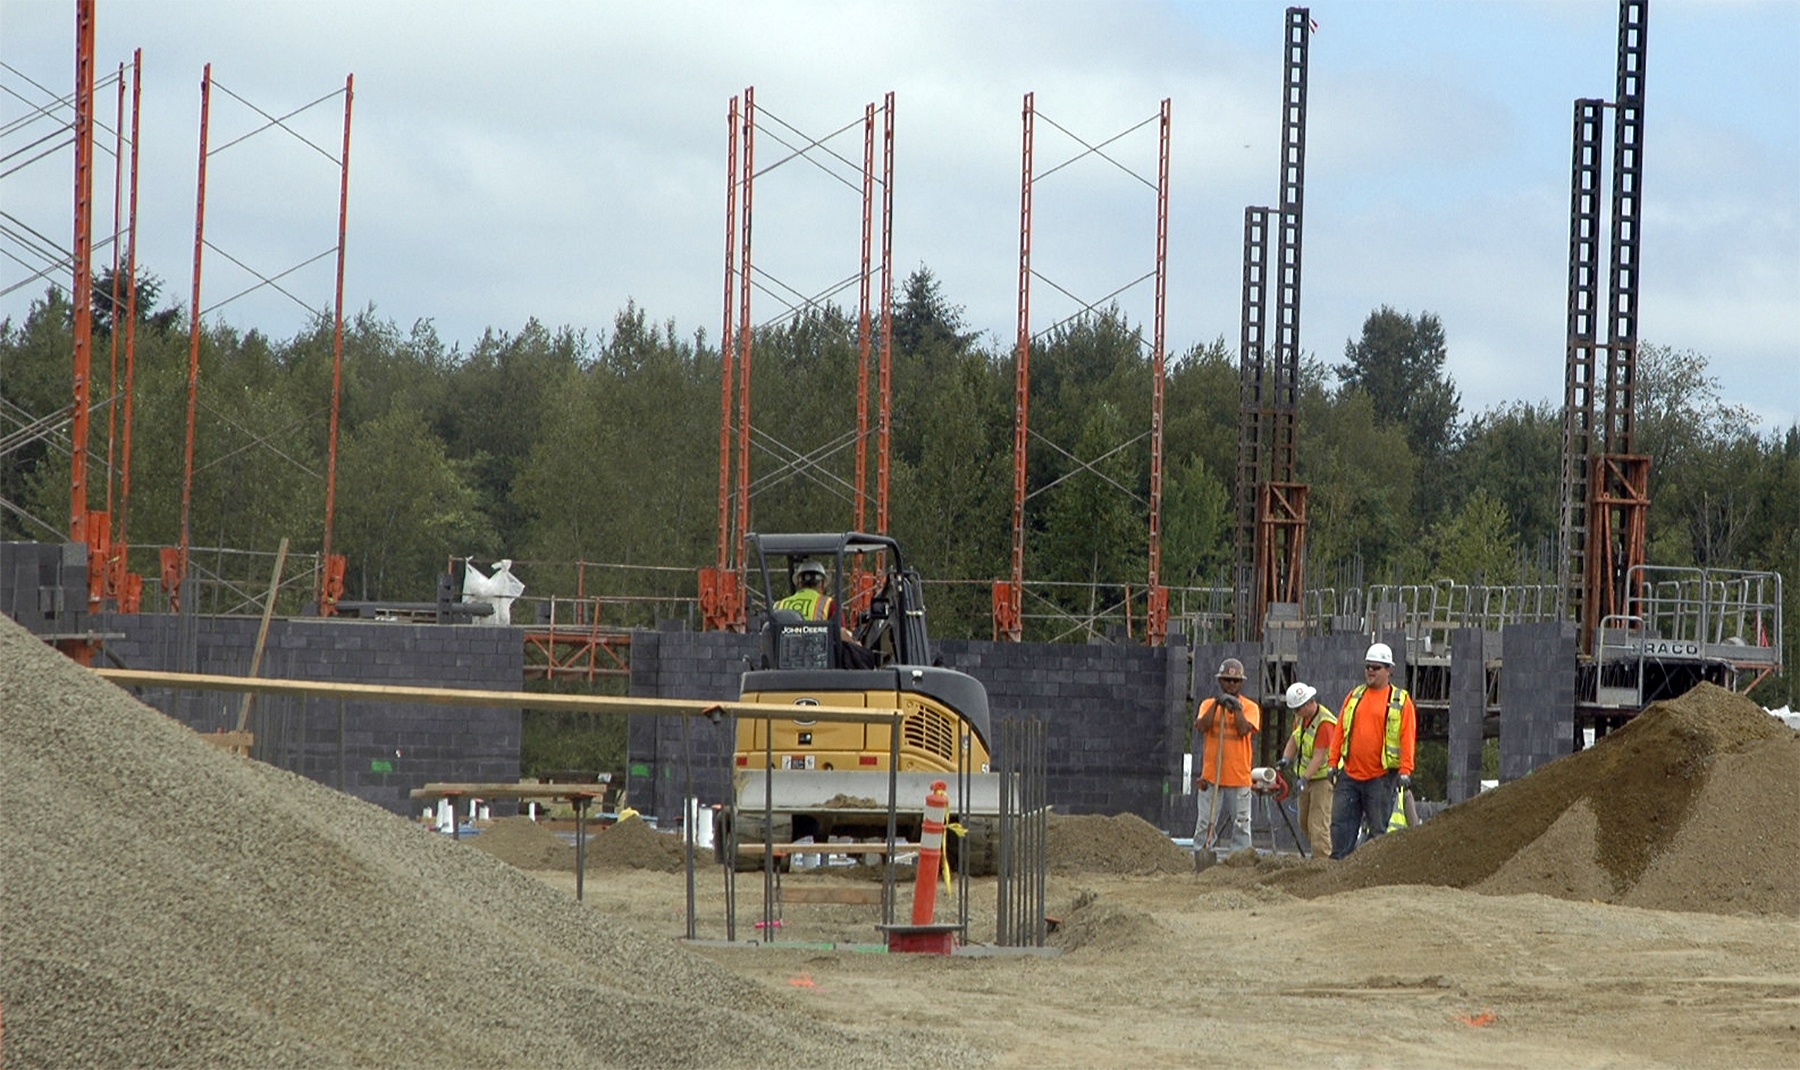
1306, 737
1398, 820
809, 603
1390, 745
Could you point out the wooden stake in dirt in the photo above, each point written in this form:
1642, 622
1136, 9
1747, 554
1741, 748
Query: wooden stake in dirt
262, 633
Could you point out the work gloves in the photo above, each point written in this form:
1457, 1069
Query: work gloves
1405, 781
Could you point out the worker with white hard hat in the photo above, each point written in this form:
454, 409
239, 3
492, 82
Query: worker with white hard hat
1304, 758
1224, 727
1372, 757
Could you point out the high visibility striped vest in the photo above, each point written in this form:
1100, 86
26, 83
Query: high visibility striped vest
1398, 820
1390, 744
1306, 737
809, 603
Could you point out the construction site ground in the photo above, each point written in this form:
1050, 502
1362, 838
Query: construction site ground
163, 903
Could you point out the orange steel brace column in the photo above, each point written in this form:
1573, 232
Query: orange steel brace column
175, 559
721, 605
744, 342
1156, 613
331, 581
122, 583
1009, 594
864, 344
83, 279
100, 563
884, 418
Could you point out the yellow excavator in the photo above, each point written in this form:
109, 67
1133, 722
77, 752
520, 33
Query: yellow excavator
797, 777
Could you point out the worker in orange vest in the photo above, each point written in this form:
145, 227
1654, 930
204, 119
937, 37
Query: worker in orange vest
1224, 727
1372, 757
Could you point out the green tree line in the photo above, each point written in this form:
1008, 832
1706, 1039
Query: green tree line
572, 444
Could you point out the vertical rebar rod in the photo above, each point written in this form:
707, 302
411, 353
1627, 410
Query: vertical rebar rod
690, 816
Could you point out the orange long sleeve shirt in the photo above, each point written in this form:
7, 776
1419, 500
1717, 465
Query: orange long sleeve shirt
1368, 732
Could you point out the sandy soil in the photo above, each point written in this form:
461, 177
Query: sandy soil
1219, 968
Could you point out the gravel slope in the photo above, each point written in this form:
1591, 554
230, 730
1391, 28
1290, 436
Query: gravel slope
166, 904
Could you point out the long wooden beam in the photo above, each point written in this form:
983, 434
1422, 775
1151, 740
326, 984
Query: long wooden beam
446, 696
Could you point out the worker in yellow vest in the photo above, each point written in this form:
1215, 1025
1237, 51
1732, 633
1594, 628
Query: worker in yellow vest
1372, 758
1304, 759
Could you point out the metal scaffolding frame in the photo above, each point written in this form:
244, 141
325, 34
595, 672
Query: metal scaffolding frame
1270, 539
1009, 594
723, 599
1605, 484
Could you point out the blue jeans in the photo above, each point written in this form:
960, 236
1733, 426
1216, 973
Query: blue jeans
1360, 806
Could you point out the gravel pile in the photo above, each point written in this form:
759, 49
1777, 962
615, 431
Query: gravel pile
632, 844
522, 842
166, 904
1121, 843
1693, 805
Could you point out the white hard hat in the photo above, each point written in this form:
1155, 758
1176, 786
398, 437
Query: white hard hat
1380, 654
1299, 695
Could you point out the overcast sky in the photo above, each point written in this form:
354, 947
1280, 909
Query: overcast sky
557, 159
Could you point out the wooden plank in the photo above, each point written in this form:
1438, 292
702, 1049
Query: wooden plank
449, 696
510, 791
852, 894
262, 633
782, 849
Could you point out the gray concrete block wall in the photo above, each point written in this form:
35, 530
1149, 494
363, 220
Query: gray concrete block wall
1468, 712
1334, 665
376, 751
1537, 696
1109, 713
43, 586
1106, 713
687, 665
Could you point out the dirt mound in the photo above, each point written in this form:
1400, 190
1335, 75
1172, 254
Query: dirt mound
632, 844
1693, 805
1103, 925
522, 842
1122, 843
167, 904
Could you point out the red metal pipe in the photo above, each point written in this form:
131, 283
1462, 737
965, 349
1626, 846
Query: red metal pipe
326, 599
885, 409
173, 579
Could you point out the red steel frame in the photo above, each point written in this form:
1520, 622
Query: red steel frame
723, 605
1009, 594
330, 581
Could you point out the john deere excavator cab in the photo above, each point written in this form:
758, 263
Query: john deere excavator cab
827, 778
